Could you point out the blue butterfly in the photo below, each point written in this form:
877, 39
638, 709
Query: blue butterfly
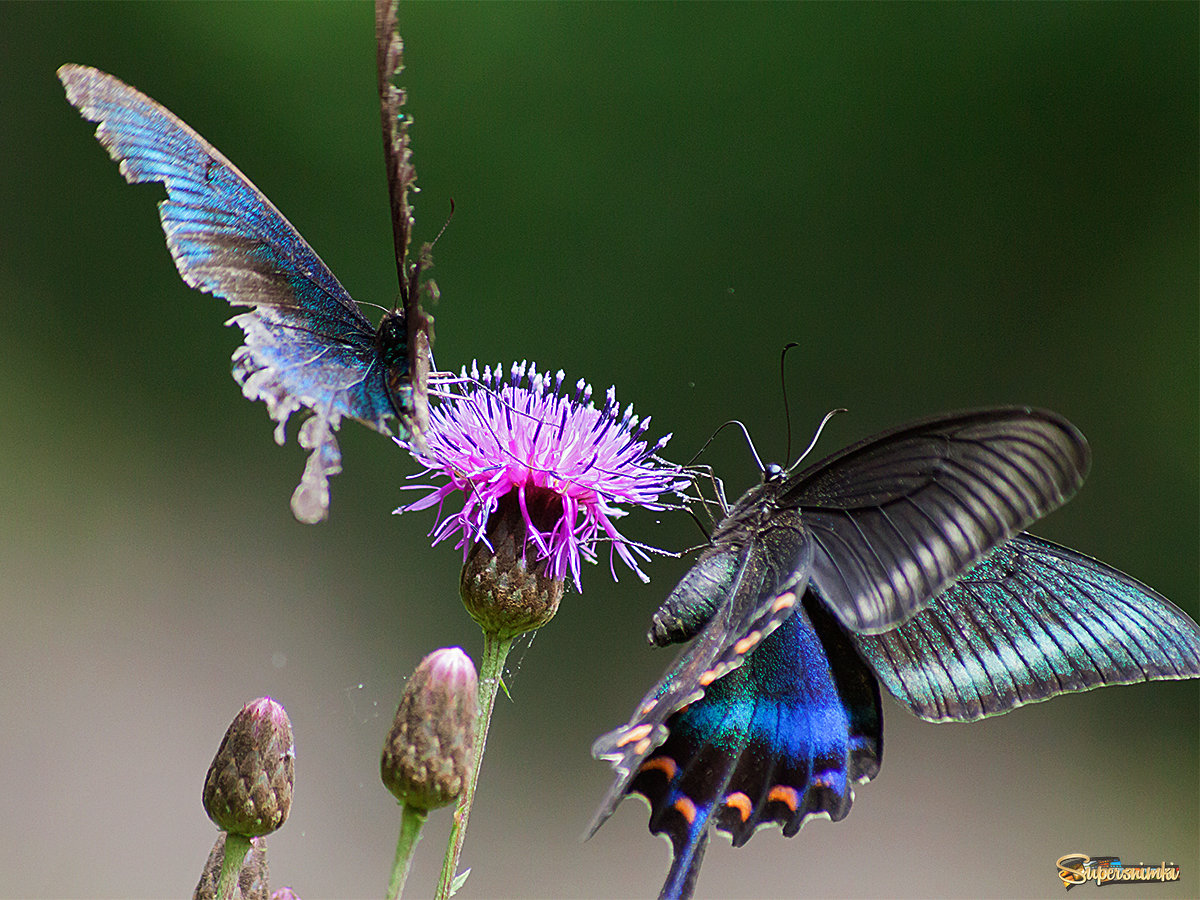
901, 560
307, 345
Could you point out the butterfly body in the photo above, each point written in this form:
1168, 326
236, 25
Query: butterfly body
307, 346
899, 559
695, 599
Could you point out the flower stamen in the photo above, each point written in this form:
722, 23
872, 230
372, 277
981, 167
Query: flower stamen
569, 464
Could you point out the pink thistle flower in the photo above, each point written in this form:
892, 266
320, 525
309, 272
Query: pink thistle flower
569, 464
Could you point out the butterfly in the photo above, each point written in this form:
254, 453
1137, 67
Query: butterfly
306, 343
900, 560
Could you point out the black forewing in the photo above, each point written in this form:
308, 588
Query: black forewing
1030, 622
896, 519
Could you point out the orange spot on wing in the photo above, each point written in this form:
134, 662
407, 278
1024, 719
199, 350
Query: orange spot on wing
783, 601
740, 802
686, 808
747, 643
663, 764
635, 734
789, 797
708, 678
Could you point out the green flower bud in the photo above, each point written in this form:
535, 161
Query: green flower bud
248, 790
426, 760
500, 589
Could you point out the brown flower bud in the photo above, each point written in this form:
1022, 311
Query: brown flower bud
504, 594
252, 880
248, 790
427, 757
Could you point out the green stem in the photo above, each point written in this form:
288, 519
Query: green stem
236, 848
411, 820
495, 652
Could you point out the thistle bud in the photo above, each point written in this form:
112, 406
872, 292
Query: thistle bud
248, 790
252, 879
427, 757
507, 592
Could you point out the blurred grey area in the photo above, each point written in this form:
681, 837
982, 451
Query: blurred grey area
945, 205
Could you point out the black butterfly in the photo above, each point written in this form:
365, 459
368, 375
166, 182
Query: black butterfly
307, 345
899, 558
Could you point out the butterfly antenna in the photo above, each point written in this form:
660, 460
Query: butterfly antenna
445, 225
817, 436
745, 434
787, 408
749, 443
410, 290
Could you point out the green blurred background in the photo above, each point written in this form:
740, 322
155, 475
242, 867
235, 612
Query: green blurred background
946, 206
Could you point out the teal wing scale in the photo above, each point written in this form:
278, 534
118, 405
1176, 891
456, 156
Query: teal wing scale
1030, 622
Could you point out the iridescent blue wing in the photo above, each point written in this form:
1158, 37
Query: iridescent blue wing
306, 343
781, 739
761, 582
1030, 622
897, 518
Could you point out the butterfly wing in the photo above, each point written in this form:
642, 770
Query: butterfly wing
1069, 623
306, 343
896, 519
401, 176
764, 580
781, 739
